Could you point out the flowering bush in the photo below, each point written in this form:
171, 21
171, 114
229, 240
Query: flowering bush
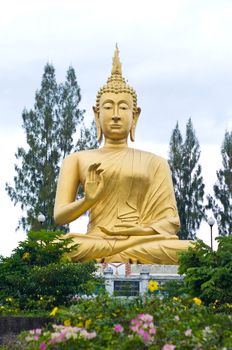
169, 320
143, 326
152, 323
59, 337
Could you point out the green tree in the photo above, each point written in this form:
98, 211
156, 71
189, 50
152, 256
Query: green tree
187, 180
49, 129
207, 273
88, 138
221, 205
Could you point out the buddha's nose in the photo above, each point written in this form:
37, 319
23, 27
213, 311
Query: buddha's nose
116, 118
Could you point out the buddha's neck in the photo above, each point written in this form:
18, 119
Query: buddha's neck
115, 143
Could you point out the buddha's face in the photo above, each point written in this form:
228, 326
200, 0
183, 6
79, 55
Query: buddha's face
116, 115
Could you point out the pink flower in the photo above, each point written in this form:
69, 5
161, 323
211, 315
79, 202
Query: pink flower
136, 322
30, 338
118, 328
43, 346
146, 318
152, 330
87, 335
141, 331
168, 347
188, 332
62, 335
135, 329
146, 337
91, 335
36, 331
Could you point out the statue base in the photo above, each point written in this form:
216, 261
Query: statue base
132, 279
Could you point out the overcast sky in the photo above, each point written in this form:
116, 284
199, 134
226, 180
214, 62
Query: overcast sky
176, 54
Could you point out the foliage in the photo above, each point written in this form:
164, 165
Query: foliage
39, 275
173, 288
87, 140
159, 320
207, 273
49, 129
140, 323
222, 206
187, 180
58, 283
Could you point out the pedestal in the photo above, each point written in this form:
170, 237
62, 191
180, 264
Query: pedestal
132, 280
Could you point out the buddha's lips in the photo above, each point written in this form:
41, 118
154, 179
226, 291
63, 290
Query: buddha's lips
115, 126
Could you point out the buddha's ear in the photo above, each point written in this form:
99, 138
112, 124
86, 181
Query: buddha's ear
98, 126
134, 123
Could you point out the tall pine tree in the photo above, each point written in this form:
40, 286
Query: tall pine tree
222, 204
88, 138
187, 180
49, 129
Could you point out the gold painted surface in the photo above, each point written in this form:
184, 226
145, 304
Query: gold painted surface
128, 192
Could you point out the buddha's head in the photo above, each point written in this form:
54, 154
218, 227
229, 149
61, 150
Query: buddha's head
116, 111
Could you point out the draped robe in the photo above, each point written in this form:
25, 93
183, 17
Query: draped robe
137, 190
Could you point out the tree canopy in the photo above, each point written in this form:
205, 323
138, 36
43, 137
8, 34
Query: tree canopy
49, 127
221, 203
187, 180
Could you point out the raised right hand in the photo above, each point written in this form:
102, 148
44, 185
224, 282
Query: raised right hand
94, 183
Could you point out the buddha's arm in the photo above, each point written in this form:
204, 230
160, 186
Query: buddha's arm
133, 230
128, 230
67, 208
137, 230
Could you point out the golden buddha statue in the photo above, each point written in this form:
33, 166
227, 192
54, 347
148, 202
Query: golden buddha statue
128, 193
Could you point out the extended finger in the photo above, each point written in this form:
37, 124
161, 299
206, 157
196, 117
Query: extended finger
125, 225
96, 165
90, 172
105, 230
93, 169
126, 231
102, 228
99, 171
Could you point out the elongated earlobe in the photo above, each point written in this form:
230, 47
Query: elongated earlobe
132, 133
99, 133
133, 127
98, 126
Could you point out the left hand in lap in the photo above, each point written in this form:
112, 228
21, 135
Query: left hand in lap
128, 230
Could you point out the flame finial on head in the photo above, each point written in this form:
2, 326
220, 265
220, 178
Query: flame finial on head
116, 83
116, 66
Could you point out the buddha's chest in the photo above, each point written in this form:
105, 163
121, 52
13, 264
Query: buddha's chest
118, 169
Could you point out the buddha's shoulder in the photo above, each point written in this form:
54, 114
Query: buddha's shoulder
78, 156
156, 158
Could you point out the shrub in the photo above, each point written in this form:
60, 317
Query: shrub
57, 283
208, 274
39, 275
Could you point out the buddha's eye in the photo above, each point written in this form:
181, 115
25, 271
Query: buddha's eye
107, 106
124, 107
